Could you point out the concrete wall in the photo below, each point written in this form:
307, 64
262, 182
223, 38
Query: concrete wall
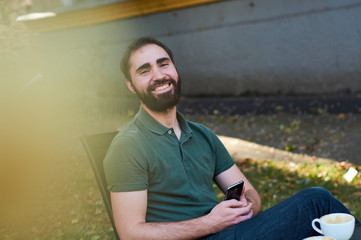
229, 48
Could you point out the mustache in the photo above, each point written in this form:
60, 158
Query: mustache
157, 83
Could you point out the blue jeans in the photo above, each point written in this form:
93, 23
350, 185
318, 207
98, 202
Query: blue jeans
288, 220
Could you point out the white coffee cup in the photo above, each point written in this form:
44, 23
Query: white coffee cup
336, 225
319, 238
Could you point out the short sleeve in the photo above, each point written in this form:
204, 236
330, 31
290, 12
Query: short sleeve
125, 166
223, 160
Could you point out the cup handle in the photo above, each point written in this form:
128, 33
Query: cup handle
314, 225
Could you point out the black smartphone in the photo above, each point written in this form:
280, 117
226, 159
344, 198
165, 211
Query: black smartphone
234, 191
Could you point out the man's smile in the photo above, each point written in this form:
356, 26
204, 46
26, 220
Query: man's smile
163, 87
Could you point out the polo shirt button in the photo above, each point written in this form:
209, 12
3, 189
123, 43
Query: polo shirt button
169, 131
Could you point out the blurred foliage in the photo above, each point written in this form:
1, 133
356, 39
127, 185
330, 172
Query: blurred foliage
18, 48
14, 36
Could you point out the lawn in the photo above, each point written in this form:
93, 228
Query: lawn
69, 206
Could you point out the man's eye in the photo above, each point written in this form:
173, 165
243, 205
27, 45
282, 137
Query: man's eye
144, 72
164, 64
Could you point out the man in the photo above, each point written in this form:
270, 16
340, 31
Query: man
160, 169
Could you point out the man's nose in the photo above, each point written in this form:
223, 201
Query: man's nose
158, 74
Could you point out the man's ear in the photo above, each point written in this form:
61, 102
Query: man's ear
130, 85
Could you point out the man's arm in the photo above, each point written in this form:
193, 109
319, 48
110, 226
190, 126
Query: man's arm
233, 175
129, 210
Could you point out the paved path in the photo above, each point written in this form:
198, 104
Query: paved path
335, 135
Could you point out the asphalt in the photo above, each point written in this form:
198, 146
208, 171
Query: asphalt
327, 128
332, 104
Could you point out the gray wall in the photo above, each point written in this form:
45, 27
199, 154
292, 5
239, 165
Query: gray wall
229, 48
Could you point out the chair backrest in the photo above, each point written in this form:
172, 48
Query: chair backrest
96, 147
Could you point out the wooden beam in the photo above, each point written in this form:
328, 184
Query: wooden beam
111, 12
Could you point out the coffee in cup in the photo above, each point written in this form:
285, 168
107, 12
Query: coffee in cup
339, 226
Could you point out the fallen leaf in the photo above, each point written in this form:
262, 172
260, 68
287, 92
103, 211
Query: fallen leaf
74, 221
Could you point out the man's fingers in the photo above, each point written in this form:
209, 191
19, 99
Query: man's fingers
233, 203
244, 210
246, 217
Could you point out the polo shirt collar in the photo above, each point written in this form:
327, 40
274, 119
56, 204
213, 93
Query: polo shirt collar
183, 124
153, 125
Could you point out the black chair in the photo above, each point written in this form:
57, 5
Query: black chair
96, 146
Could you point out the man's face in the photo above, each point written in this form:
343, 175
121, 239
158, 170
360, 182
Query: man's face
155, 79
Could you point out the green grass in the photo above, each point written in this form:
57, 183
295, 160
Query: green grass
276, 181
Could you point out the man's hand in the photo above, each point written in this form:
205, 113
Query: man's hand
233, 175
230, 212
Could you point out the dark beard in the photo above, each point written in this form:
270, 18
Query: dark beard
163, 102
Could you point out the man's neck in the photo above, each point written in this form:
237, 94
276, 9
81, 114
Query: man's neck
167, 118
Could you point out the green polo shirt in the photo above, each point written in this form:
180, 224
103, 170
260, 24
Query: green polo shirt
177, 174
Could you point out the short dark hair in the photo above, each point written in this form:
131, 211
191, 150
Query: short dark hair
135, 45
